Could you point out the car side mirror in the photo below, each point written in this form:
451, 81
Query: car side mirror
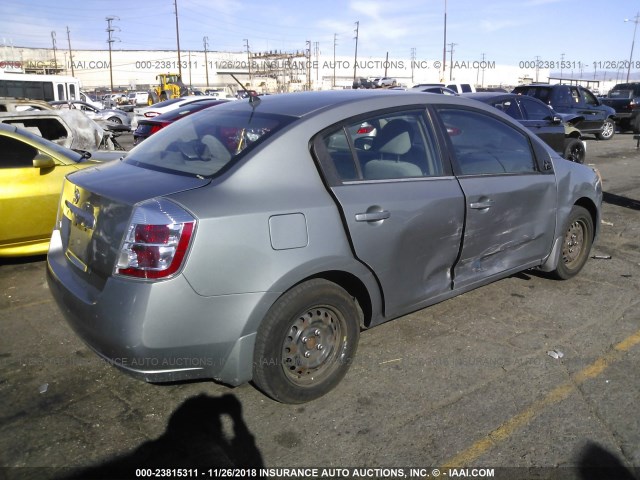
556, 120
42, 160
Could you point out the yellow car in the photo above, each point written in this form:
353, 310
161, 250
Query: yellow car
32, 170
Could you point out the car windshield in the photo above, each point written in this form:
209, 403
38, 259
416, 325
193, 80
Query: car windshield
203, 143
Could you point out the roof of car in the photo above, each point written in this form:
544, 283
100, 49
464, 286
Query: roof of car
305, 103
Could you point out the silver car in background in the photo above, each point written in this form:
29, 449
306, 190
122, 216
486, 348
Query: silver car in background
254, 240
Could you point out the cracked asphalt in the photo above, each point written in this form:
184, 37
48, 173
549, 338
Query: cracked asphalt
467, 383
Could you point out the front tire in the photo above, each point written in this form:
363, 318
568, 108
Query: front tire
306, 343
608, 129
576, 244
575, 151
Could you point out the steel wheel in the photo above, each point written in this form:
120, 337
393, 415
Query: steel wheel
313, 345
306, 342
576, 243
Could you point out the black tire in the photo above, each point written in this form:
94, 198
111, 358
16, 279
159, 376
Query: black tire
635, 125
608, 130
576, 244
574, 150
306, 343
163, 96
115, 120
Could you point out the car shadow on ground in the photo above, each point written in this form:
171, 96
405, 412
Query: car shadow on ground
596, 463
194, 439
620, 201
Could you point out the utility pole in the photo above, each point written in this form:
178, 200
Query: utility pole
70, 53
386, 64
561, 65
335, 42
355, 61
451, 60
205, 41
246, 44
444, 43
307, 55
55, 60
111, 39
413, 61
636, 19
537, 66
175, 3
316, 51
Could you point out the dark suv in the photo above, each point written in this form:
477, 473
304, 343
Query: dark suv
599, 119
624, 98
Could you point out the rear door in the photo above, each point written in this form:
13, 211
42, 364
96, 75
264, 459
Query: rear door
510, 198
403, 209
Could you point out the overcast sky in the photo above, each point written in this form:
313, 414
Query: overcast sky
505, 31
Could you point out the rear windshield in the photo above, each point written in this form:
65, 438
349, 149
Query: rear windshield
203, 143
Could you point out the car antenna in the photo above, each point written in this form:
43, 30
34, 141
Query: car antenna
254, 100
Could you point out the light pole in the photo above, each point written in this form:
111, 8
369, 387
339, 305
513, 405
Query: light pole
635, 20
444, 43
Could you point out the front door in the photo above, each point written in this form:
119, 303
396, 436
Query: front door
510, 200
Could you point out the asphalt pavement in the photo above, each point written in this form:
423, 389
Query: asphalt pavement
524, 378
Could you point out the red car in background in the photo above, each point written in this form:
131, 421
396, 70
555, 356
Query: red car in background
148, 127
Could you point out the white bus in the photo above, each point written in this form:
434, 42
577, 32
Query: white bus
39, 87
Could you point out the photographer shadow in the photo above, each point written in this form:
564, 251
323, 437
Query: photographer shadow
194, 439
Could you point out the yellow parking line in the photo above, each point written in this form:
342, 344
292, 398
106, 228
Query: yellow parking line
556, 395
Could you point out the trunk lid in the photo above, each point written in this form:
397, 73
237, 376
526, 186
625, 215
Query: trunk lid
96, 206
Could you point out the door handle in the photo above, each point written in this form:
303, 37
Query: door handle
372, 216
481, 205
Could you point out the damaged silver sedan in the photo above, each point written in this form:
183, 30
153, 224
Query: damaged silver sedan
255, 240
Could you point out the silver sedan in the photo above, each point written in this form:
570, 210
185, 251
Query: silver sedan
256, 239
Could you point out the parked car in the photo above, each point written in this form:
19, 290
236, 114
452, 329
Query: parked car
435, 89
362, 82
108, 114
149, 126
163, 107
31, 173
624, 98
91, 100
461, 87
69, 128
557, 131
599, 119
253, 240
385, 82
138, 99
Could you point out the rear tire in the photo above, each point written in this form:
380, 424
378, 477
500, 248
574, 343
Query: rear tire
306, 343
574, 151
576, 244
608, 129
115, 120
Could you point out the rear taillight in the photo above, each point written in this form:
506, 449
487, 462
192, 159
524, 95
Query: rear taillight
151, 114
157, 240
155, 128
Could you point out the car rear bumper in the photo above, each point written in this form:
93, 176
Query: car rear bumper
159, 331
